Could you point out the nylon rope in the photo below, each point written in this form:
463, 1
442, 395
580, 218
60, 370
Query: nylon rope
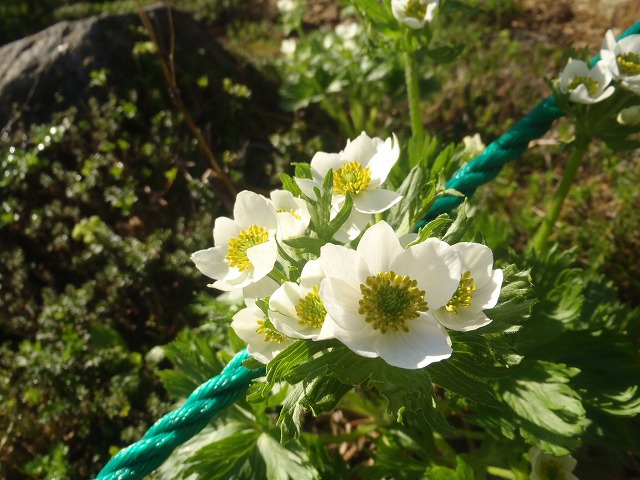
213, 396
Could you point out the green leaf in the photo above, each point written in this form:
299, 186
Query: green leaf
290, 419
340, 218
307, 244
290, 185
445, 54
449, 376
548, 411
284, 463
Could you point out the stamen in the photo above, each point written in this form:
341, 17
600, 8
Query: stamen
462, 296
238, 246
352, 177
551, 470
629, 63
270, 335
390, 300
291, 211
416, 9
591, 84
310, 309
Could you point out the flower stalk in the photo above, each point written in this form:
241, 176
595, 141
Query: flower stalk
540, 241
413, 95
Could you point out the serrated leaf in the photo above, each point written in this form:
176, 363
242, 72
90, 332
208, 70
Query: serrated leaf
290, 418
283, 463
448, 376
549, 412
290, 185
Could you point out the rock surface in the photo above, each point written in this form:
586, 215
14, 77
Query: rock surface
51, 70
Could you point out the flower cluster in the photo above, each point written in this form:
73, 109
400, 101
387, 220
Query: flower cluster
386, 297
619, 64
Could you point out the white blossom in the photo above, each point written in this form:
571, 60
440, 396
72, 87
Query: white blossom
622, 58
586, 85
414, 13
245, 249
478, 289
548, 467
381, 296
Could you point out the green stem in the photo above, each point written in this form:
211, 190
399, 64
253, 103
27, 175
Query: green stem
413, 95
540, 241
500, 472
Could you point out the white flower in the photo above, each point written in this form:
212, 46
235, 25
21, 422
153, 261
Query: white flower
629, 116
298, 311
479, 288
347, 33
623, 59
245, 248
381, 296
288, 47
286, 6
473, 145
263, 341
414, 13
359, 170
584, 84
548, 467
293, 214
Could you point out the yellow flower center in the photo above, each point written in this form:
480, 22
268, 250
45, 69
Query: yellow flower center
270, 334
310, 309
462, 296
629, 63
352, 177
292, 212
238, 246
389, 301
416, 9
551, 470
591, 84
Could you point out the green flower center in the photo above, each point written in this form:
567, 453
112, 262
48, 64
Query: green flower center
238, 246
416, 9
629, 63
550, 470
270, 334
310, 309
389, 301
591, 84
352, 177
462, 296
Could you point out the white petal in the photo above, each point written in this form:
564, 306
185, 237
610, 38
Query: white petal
477, 259
307, 186
463, 321
375, 200
211, 262
574, 68
343, 263
245, 324
435, 266
426, 342
285, 299
361, 341
322, 162
263, 258
384, 159
360, 150
253, 209
312, 274
224, 229
487, 295
609, 41
260, 289
379, 247
353, 227
341, 302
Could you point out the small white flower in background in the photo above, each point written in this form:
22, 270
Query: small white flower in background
548, 467
479, 288
298, 311
288, 47
286, 6
359, 170
414, 13
348, 32
586, 85
263, 341
629, 116
473, 145
622, 58
293, 214
245, 249
381, 296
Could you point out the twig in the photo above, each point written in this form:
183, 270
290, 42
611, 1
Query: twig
168, 69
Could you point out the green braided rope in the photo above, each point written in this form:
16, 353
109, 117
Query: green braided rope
486, 166
175, 428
